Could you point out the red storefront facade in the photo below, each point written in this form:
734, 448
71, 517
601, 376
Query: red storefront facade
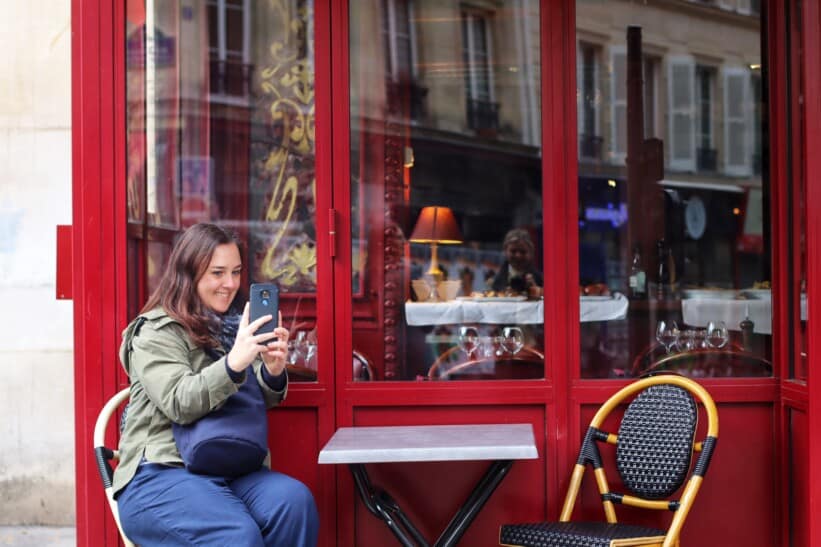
762, 488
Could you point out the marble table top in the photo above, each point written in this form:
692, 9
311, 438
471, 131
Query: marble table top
422, 443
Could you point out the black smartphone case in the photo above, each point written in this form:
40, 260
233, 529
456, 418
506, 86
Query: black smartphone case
264, 300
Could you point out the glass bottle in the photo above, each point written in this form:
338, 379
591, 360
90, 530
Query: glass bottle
747, 327
638, 279
663, 278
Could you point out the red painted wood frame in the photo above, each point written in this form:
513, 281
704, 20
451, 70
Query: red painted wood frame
99, 283
811, 18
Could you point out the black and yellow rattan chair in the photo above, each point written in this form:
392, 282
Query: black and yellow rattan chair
653, 452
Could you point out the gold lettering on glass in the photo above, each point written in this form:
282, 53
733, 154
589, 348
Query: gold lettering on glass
283, 151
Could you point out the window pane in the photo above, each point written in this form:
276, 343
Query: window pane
444, 164
798, 196
221, 129
674, 224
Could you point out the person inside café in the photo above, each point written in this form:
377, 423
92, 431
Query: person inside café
519, 273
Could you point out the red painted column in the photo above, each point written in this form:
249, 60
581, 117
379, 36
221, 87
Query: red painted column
811, 18
98, 248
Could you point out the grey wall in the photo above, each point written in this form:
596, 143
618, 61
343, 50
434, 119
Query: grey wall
36, 358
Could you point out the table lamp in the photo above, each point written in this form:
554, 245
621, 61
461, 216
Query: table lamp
436, 225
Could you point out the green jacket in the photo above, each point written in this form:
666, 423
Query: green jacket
172, 380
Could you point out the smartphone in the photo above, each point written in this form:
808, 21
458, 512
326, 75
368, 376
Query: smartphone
264, 300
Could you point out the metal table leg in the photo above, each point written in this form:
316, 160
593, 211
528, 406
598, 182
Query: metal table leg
471, 507
381, 505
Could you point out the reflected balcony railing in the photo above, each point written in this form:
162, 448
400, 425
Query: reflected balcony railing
707, 159
590, 146
483, 116
408, 96
230, 78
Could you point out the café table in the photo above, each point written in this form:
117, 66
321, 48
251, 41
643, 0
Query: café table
509, 310
698, 312
501, 444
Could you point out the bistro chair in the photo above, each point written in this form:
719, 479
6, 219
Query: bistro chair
654, 446
702, 363
363, 370
105, 456
526, 364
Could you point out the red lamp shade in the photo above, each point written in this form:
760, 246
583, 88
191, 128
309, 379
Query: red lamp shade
436, 225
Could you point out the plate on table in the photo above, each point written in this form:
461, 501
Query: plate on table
758, 294
714, 294
520, 298
596, 298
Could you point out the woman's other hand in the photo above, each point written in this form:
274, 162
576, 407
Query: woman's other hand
534, 291
276, 352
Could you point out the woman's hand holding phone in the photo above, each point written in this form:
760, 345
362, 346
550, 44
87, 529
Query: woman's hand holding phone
248, 344
274, 337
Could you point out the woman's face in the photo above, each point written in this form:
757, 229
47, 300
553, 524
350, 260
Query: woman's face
220, 282
518, 254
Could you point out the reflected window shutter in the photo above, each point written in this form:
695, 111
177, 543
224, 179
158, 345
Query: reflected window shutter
579, 101
737, 110
681, 111
618, 104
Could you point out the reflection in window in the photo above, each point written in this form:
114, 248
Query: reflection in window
705, 82
482, 111
220, 110
618, 104
651, 84
229, 47
445, 160
681, 233
590, 139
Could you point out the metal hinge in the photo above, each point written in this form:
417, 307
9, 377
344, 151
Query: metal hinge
332, 232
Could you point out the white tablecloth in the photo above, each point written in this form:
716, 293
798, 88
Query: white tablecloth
697, 312
456, 312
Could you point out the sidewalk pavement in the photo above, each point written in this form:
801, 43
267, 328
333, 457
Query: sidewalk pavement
38, 536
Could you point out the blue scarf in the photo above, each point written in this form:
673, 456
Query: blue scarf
224, 329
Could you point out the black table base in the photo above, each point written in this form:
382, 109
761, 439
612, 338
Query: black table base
383, 506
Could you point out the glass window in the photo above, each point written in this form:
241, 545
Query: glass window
220, 128
590, 139
705, 88
445, 164
674, 255
651, 84
796, 107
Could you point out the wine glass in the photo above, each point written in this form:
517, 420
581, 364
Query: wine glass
687, 340
717, 335
512, 339
667, 334
469, 340
293, 353
488, 346
300, 347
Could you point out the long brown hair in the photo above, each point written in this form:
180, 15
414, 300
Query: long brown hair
177, 291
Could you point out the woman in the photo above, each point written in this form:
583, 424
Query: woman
518, 273
188, 353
